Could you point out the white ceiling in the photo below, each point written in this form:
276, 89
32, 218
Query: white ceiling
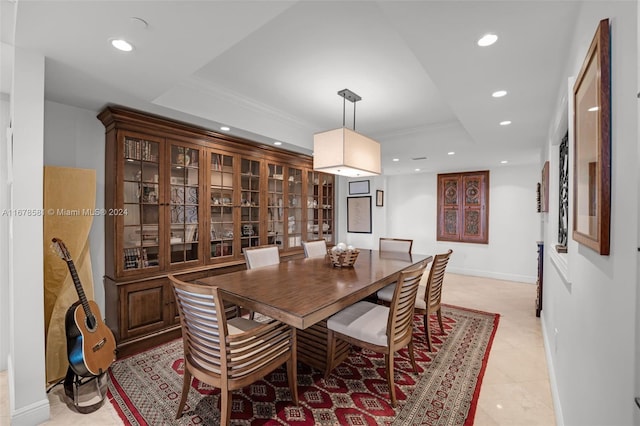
271, 70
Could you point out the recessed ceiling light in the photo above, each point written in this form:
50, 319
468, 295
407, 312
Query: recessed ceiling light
487, 40
225, 128
504, 162
417, 170
450, 153
396, 159
499, 93
505, 123
278, 143
121, 44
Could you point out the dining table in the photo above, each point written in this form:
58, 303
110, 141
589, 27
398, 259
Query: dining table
305, 292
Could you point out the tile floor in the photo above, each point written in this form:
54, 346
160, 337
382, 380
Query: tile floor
515, 390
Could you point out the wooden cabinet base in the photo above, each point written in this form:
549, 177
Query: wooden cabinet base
134, 346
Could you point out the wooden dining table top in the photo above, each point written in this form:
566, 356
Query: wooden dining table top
302, 292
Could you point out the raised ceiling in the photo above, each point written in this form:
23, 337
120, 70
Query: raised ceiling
271, 70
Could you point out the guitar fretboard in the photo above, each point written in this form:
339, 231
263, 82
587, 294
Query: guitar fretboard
80, 291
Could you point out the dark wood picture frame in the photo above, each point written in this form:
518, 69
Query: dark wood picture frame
544, 188
359, 187
592, 145
379, 198
359, 214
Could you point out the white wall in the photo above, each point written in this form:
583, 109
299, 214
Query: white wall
410, 211
589, 321
637, 375
74, 137
28, 402
4, 236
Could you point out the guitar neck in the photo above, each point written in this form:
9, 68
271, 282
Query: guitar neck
79, 289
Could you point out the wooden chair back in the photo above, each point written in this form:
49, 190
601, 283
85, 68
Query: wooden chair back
402, 306
430, 304
395, 245
228, 355
260, 256
316, 248
433, 294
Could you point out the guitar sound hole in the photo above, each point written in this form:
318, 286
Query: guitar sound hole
91, 322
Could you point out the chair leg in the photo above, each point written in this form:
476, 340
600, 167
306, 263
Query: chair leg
225, 406
412, 356
427, 332
186, 385
439, 313
331, 349
292, 373
388, 358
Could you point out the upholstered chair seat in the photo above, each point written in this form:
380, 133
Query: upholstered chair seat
379, 328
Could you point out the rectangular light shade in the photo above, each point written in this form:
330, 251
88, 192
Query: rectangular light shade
346, 152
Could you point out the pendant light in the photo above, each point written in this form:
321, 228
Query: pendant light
344, 151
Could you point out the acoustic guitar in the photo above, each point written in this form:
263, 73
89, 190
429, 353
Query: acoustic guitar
91, 347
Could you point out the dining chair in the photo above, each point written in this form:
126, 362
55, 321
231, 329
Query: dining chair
383, 329
395, 245
392, 246
429, 294
228, 353
316, 248
259, 256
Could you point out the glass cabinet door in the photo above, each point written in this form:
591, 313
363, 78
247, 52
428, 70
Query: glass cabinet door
294, 208
275, 204
326, 207
319, 207
184, 199
313, 231
249, 202
222, 196
141, 200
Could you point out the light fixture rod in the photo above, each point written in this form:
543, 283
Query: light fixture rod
351, 97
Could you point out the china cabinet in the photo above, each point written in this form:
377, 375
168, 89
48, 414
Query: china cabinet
191, 200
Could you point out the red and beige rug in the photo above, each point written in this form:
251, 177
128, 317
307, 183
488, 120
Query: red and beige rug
145, 388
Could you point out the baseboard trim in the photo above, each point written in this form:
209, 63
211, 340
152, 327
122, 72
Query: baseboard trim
495, 275
553, 384
32, 414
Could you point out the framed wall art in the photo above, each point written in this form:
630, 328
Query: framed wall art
359, 187
379, 198
544, 188
359, 214
592, 145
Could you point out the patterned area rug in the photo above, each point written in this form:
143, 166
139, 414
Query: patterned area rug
145, 388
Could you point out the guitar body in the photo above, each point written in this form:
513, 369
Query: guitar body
90, 343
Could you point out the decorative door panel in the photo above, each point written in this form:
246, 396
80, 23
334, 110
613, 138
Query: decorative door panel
146, 306
463, 207
475, 221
